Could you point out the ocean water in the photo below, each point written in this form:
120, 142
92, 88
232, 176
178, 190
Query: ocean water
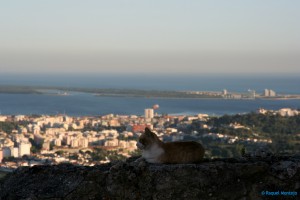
239, 83
77, 104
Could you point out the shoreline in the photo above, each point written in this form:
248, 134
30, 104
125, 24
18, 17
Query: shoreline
159, 94
156, 97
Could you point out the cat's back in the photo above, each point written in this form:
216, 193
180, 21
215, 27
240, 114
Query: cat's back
183, 145
183, 152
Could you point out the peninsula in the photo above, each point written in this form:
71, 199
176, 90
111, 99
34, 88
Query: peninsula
125, 92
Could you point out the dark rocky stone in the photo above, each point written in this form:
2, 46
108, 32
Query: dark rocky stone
212, 179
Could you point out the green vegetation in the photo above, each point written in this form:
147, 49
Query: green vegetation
136, 152
284, 132
268, 123
35, 148
60, 153
18, 90
101, 154
105, 92
8, 127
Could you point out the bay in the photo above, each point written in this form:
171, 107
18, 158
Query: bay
78, 104
285, 84
84, 104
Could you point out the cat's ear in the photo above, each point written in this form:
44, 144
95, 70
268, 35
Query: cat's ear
148, 132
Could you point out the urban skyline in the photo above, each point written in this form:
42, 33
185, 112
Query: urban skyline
41, 139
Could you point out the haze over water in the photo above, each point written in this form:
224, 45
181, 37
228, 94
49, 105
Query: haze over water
150, 37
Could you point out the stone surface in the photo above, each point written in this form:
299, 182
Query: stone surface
212, 179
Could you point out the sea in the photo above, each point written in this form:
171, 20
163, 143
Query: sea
85, 104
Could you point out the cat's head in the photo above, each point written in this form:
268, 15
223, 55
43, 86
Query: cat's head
147, 139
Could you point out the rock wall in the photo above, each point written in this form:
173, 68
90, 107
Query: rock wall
252, 178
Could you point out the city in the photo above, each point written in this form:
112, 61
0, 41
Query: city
93, 92
41, 139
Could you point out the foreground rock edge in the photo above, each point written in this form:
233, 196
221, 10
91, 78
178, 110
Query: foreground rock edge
212, 179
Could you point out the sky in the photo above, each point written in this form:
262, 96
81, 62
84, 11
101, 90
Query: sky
169, 37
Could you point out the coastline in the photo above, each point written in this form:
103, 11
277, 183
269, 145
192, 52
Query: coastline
160, 94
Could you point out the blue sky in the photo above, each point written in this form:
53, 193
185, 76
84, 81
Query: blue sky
142, 37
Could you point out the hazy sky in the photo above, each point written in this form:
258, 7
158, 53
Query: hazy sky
143, 36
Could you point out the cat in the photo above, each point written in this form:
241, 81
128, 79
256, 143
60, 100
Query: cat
156, 151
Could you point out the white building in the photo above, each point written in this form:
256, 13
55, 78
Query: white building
129, 145
111, 143
272, 93
15, 152
53, 131
3, 118
287, 112
202, 116
149, 113
132, 144
29, 128
123, 144
83, 142
269, 93
36, 129
24, 148
19, 118
110, 134
66, 126
74, 143
46, 145
262, 111
57, 142
67, 139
